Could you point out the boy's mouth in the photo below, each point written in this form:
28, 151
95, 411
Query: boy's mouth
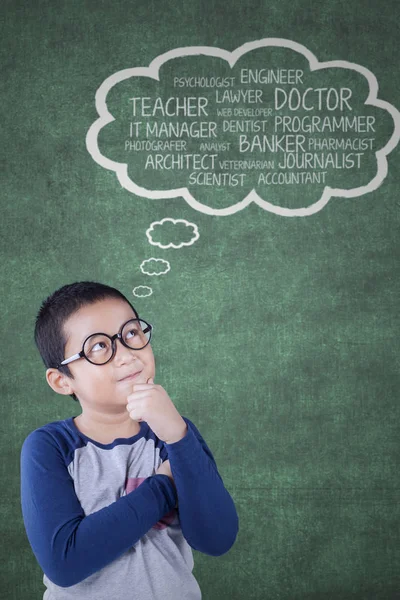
131, 376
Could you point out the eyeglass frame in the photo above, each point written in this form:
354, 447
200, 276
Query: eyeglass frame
118, 335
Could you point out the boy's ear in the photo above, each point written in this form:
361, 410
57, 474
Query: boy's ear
59, 382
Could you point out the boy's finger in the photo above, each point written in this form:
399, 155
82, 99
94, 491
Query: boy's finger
135, 396
142, 386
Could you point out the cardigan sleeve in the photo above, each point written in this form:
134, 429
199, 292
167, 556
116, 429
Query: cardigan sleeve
207, 513
68, 545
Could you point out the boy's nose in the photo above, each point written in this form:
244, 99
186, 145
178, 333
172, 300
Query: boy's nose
122, 353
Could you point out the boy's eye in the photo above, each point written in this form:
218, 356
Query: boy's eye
98, 346
130, 333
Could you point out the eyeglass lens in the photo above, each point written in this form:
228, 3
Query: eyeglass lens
98, 347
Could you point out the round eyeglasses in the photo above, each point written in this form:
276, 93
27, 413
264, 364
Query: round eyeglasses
100, 348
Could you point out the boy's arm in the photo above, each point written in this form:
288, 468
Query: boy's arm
207, 514
68, 545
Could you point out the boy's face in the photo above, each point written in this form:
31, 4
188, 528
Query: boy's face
103, 385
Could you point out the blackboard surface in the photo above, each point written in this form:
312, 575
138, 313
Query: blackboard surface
276, 330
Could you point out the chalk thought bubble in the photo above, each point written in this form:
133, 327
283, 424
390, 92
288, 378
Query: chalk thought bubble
181, 225
142, 291
267, 120
155, 266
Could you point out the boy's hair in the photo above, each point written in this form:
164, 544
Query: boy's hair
57, 308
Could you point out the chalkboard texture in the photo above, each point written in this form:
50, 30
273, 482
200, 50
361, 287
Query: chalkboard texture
273, 294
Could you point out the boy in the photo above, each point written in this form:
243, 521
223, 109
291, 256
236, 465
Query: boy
114, 499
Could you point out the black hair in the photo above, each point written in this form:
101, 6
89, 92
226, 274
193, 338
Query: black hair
54, 312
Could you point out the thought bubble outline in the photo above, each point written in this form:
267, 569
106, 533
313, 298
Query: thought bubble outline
152, 71
143, 295
171, 245
156, 260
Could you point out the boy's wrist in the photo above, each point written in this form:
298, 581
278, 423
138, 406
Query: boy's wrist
179, 436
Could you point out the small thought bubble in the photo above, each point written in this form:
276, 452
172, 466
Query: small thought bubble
142, 291
172, 227
153, 266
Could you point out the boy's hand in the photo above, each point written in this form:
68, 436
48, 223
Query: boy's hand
165, 469
150, 402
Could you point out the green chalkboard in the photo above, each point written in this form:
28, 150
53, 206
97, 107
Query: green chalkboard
267, 259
